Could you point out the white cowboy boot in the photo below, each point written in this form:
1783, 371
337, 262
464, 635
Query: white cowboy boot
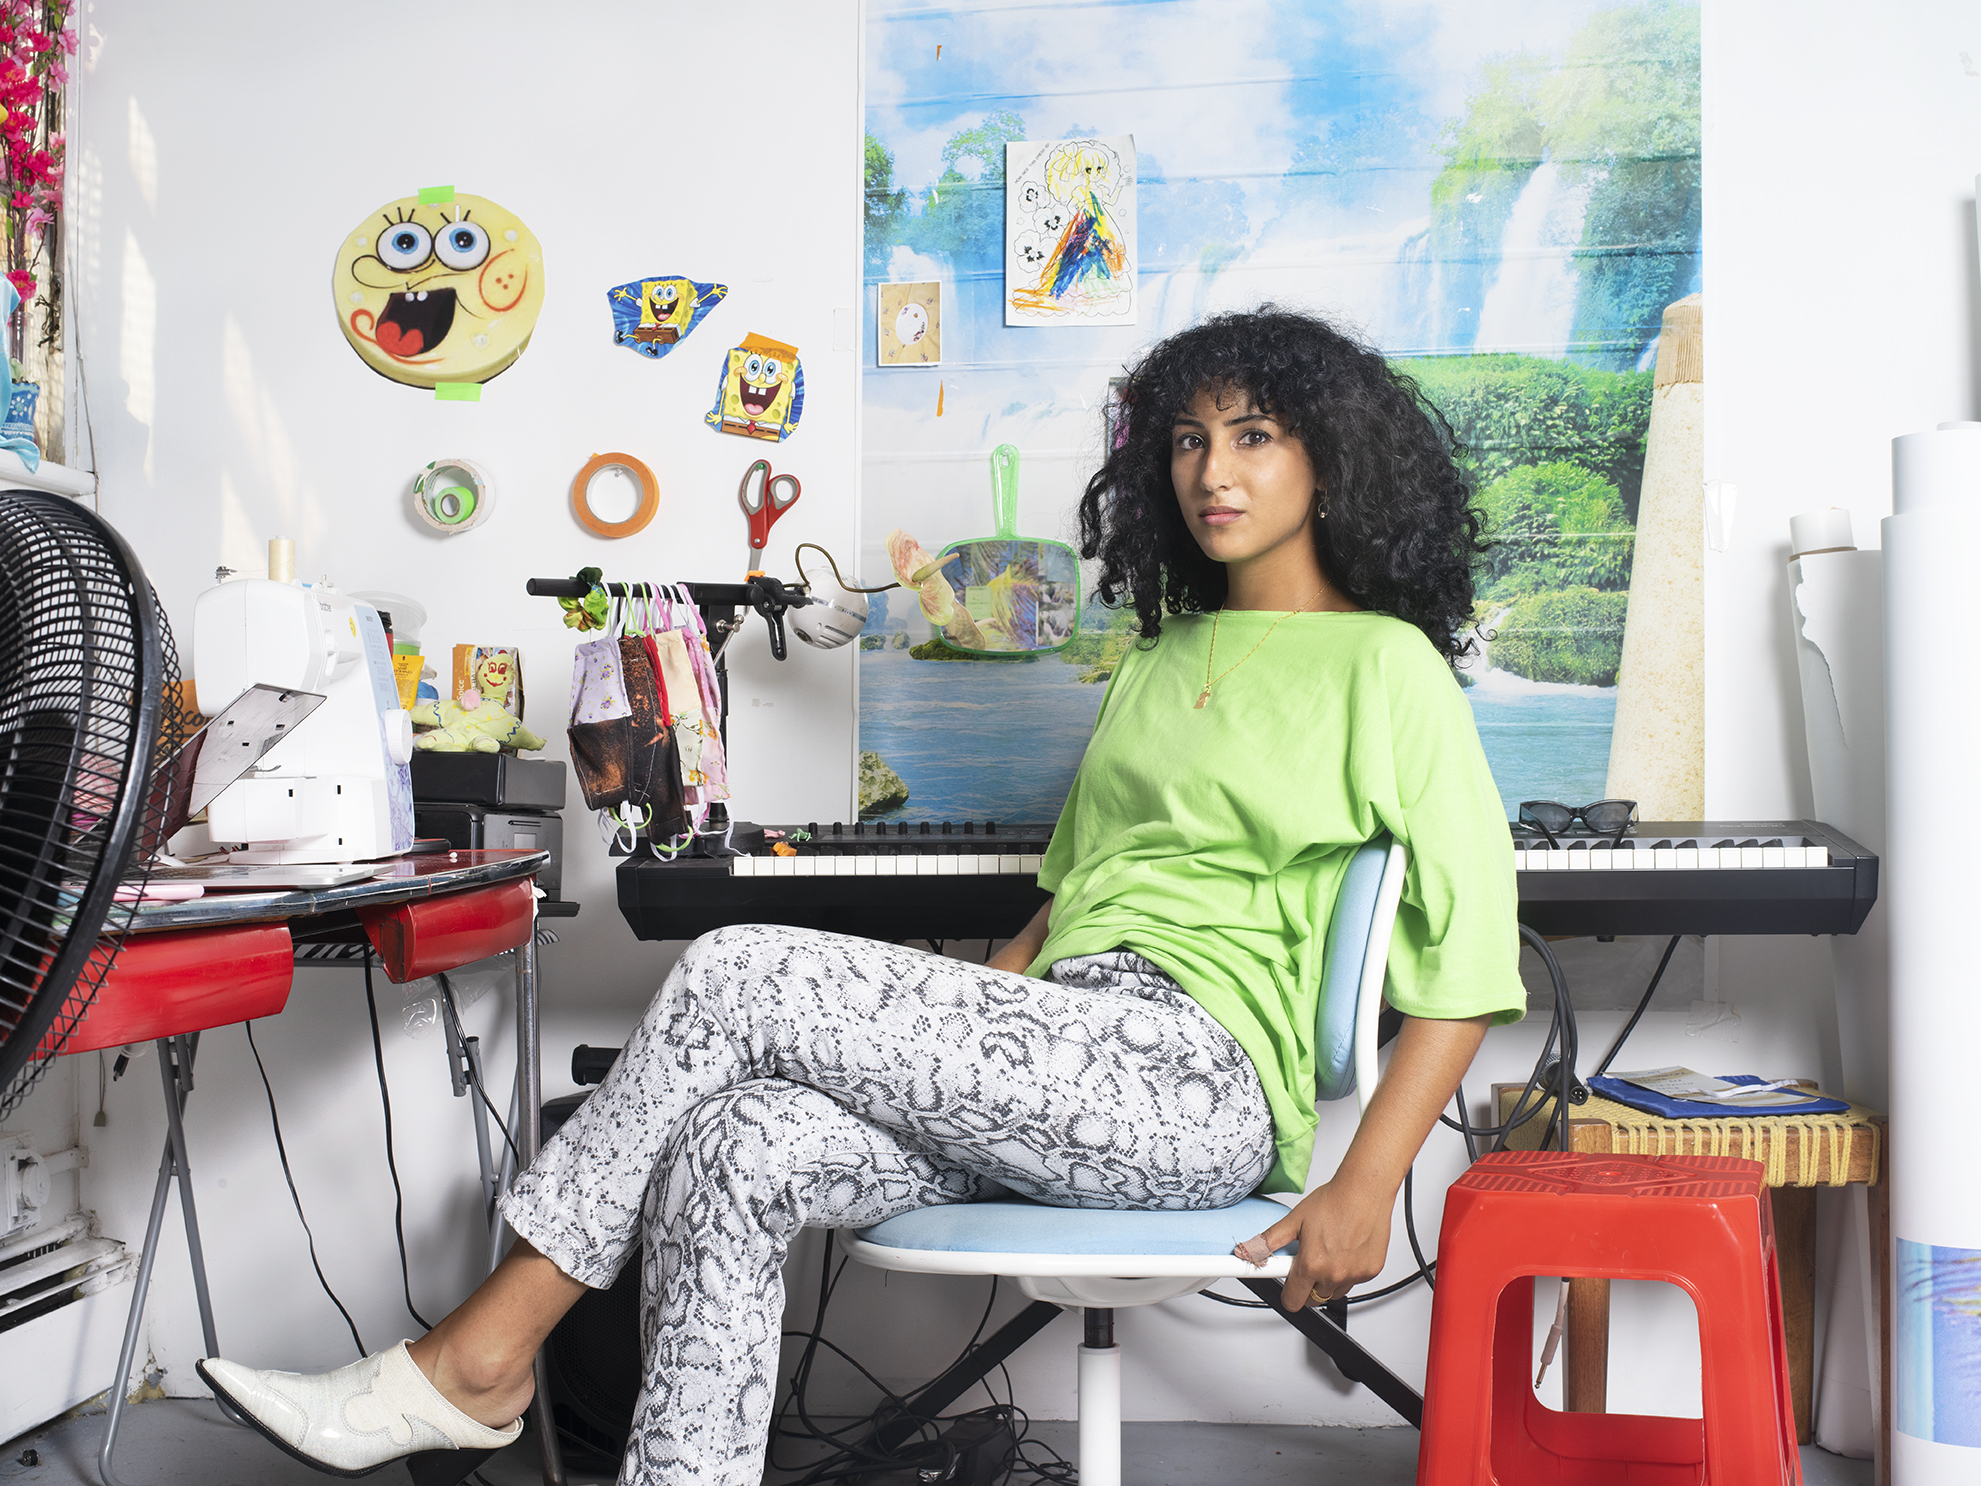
352, 1421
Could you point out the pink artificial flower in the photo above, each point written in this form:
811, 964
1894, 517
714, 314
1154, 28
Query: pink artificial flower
22, 280
58, 72
68, 40
39, 218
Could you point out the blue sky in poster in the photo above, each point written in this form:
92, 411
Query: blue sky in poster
1288, 150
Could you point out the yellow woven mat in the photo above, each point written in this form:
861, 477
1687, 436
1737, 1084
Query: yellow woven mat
1637, 1133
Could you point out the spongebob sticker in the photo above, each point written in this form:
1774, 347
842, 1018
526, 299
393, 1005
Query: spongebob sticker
761, 392
439, 293
653, 315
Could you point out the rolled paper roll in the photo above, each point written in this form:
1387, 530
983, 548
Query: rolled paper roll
1658, 742
1827, 530
281, 560
1929, 880
1941, 468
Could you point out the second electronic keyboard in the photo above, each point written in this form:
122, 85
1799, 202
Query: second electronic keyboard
978, 880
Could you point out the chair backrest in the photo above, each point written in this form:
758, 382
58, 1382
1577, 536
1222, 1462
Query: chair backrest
1354, 964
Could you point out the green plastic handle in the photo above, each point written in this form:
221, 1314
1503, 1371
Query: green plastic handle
1004, 488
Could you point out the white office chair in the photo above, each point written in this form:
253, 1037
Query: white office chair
1096, 1260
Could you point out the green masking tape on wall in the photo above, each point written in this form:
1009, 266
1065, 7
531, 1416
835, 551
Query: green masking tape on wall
453, 496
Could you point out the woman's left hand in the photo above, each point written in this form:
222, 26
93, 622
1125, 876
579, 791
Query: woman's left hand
1344, 1239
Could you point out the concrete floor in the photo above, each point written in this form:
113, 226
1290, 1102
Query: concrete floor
186, 1443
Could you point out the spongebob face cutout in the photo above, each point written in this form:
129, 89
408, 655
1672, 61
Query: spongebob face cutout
430, 294
653, 315
761, 392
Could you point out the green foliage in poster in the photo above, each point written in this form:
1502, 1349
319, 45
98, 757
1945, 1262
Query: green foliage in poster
1574, 635
1489, 153
963, 215
1620, 114
1624, 112
886, 206
1098, 648
1513, 410
1553, 525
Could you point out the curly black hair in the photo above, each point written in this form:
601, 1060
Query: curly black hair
1401, 532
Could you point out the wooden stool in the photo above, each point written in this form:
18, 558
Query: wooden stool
1808, 1160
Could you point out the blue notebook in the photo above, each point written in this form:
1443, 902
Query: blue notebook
1693, 1109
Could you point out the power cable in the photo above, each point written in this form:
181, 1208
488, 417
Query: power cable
1643, 1002
391, 1164
287, 1176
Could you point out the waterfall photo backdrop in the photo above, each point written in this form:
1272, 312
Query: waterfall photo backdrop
1502, 198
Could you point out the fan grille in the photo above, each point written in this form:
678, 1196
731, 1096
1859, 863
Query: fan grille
89, 698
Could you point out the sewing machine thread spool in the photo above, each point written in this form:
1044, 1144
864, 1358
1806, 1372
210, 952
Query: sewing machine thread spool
281, 560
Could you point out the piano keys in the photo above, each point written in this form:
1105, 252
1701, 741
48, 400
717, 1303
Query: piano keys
979, 881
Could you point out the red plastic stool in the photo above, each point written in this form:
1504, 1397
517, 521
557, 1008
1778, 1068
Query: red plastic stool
1699, 1222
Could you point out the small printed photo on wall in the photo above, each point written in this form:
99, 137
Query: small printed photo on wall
910, 324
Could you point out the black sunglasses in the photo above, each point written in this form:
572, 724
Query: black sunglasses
1551, 818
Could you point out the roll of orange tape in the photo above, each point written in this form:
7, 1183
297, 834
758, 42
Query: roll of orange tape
649, 496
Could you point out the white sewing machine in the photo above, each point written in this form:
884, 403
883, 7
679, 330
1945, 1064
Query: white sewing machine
338, 790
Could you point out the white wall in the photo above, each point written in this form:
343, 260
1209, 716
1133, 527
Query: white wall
1841, 146
222, 163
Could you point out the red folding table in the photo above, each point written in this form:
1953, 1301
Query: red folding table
230, 956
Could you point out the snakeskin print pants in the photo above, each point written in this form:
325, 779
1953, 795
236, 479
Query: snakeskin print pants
785, 1077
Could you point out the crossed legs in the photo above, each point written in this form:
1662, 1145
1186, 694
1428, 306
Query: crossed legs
785, 1077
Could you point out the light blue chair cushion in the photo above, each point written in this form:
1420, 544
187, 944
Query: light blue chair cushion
1015, 1226
1341, 970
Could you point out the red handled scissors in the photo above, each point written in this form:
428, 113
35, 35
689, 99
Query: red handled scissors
763, 497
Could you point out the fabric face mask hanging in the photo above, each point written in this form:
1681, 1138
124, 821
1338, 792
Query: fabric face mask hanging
625, 758
695, 734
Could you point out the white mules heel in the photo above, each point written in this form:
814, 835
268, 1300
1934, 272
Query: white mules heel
352, 1421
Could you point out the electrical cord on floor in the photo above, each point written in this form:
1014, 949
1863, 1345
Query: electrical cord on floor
283, 1151
851, 1454
1058, 1468
391, 1164
1636, 1016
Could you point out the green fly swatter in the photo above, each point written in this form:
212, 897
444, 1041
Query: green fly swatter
1021, 593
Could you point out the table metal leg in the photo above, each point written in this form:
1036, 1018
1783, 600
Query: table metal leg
507, 1173
175, 1069
529, 1088
184, 1049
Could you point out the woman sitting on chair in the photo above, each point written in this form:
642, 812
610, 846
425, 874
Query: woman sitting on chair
1284, 514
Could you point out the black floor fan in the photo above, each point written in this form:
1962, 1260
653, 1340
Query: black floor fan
88, 699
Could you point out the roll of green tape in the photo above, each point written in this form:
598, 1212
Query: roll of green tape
453, 495
454, 505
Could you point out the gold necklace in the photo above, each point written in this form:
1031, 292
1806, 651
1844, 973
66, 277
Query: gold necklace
1204, 697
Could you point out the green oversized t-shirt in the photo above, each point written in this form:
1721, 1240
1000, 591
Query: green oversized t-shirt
1212, 841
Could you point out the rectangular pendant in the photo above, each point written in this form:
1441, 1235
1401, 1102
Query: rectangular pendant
1203, 696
